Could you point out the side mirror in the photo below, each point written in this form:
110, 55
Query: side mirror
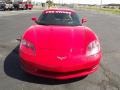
34, 19
84, 20
19, 39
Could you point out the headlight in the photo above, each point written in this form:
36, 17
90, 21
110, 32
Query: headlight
27, 47
93, 48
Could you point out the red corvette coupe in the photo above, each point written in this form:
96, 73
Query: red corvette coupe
59, 47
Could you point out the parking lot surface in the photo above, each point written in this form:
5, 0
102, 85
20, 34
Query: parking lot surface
13, 24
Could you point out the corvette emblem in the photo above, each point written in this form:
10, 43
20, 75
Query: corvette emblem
61, 57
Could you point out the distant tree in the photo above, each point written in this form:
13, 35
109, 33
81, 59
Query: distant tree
50, 3
119, 7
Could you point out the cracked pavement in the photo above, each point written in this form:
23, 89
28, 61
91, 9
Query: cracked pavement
107, 77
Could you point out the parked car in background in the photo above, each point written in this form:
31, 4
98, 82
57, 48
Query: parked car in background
2, 5
19, 5
6, 5
15, 4
22, 5
9, 6
29, 5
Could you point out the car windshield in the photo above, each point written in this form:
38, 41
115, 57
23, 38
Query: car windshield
62, 19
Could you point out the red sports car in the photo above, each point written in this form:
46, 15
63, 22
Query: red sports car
58, 46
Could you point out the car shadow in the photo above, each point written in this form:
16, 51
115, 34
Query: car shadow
12, 69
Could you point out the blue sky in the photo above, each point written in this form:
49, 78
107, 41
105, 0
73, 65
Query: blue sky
83, 1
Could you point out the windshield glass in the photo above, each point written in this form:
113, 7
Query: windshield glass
63, 19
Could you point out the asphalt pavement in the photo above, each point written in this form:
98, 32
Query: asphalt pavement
107, 27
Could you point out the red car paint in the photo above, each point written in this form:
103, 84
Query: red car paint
29, 6
60, 51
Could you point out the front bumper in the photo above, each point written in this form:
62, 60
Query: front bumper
63, 72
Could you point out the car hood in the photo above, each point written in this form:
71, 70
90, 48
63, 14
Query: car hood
57, 43
59, 37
